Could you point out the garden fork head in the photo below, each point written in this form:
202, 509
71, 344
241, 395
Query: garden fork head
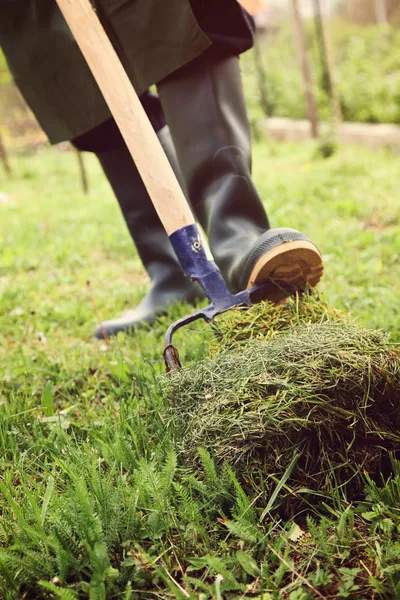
192, 256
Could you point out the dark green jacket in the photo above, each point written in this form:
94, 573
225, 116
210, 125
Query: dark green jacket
152, 37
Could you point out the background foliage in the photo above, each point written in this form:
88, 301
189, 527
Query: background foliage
367, 73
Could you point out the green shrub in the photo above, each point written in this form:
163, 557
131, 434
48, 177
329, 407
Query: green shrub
367, 74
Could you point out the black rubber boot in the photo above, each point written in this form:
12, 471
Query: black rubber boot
205, 110
168, 283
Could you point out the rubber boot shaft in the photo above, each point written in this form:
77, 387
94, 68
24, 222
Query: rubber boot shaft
205, 110
168, 283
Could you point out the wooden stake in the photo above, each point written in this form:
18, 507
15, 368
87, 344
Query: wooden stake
325, 54
82, 171
4, 157
306, 71
381, 12
261, 79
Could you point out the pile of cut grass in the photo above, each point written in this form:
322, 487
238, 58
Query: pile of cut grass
298, 392
265, 320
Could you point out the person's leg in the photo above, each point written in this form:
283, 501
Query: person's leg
168, 283
205, 110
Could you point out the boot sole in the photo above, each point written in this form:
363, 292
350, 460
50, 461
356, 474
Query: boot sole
296, 263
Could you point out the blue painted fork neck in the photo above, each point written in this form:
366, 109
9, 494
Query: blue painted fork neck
189, 249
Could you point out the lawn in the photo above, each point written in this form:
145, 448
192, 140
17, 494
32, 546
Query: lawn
94, 500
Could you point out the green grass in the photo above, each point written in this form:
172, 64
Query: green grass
94, 501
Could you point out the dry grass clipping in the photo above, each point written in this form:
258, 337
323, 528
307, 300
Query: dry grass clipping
299, 380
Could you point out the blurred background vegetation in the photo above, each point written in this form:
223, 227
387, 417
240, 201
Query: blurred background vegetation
366, 62
364, 38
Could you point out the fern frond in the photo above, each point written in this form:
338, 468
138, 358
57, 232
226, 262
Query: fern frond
106, 496
64, 531
148, 482
87, 522
61, 593
31, 566
244, 531
210, 470
131, 518
243, 505
168, 473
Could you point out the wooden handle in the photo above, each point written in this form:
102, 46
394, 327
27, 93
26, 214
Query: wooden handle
154, 168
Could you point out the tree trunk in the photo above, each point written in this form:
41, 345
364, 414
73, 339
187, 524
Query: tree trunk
4, 157
306, 71
326, 62
381, 12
